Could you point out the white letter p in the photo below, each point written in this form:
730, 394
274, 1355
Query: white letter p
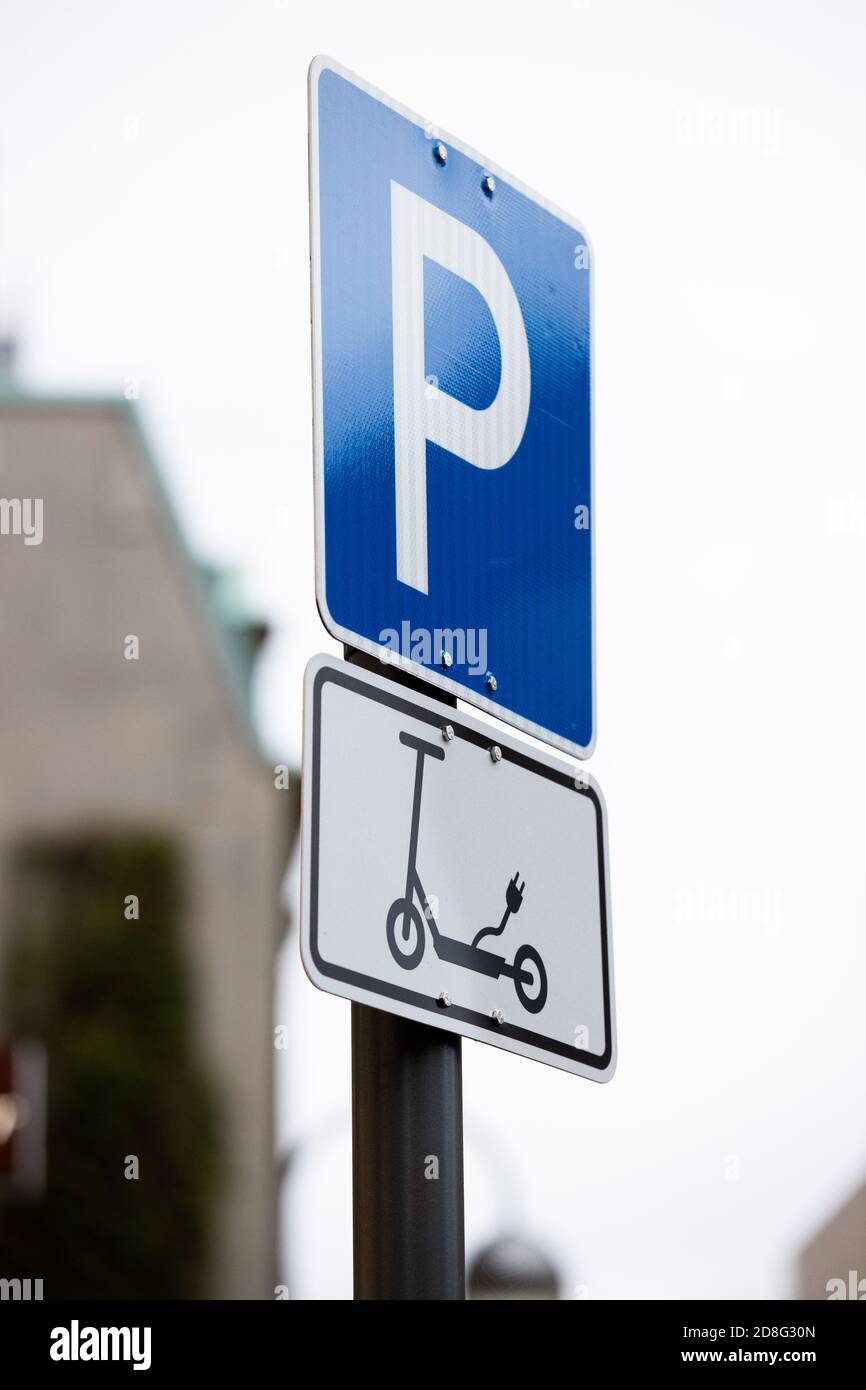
485, 438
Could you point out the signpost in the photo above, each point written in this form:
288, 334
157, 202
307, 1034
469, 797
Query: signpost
452, 414
454, 879
452, 875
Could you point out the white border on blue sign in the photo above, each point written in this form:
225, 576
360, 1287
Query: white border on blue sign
320, 64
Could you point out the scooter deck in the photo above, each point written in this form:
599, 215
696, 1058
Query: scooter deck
470, 957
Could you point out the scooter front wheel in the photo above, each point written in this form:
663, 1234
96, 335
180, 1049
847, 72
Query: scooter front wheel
533, 996
405, 932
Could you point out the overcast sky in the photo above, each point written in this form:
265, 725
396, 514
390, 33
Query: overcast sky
153, 236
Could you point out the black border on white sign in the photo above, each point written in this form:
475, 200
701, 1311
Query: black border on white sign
495, 1033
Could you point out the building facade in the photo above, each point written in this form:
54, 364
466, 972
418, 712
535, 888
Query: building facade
123, 708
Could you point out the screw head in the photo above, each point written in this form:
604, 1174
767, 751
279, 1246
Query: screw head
448, 733
498, 1017
488, 183
440, 153
496, 753
444, 1000
446, 660
491, 683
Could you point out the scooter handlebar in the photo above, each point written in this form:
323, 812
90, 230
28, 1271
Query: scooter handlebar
431, 749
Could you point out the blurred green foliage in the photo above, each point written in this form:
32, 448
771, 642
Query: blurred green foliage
111, 1000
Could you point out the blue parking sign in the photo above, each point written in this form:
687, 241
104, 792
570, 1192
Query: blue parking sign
452, 415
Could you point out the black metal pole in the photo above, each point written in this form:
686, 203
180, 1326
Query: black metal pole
407, 1140
407, 1158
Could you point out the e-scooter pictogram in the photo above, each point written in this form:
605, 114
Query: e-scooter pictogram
405, 922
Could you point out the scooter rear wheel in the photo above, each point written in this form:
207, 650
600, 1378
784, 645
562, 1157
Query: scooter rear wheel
535, 1001
407, 949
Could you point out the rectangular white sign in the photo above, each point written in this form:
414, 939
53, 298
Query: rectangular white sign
452, 874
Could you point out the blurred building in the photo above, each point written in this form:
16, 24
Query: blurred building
513, 1267
833, 1264
124, 682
